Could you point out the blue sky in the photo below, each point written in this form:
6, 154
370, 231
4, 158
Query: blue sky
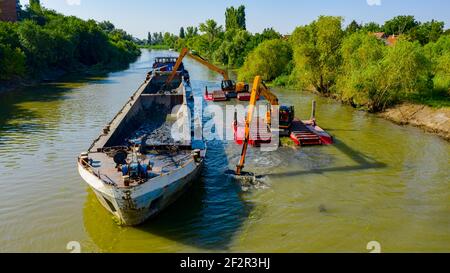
140, 16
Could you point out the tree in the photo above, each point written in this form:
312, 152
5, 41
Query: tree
442, 74
241, 21
235, 18
427, 32
353, 27
13, 62
258, 38
169, 40
191, 32
211, 29
35, 5
372, 27
212, 32
231, 20
375, 76
438, 53
233, 49
182, 34
362, 54
400, 25
269, 60
316, 53
149, 39
107, 26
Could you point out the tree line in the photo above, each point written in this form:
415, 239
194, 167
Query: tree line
357, 66
354, 63
227, 45
44, 40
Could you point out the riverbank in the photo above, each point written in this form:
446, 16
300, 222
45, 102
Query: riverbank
432, 120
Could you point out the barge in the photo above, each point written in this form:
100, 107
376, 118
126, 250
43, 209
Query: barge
145, 158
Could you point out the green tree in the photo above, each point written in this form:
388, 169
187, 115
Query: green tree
241, 20
233, 49
400, 25
269, 60
12, 62
149, 39
107, 26
427, 32
353, 27
235, 18
438, 53
316, 53
375, 76
191, 32
169, 40
9, 35
442, 74
372, 27
211, 29
362, 55
35, 5
211, 40
182, 34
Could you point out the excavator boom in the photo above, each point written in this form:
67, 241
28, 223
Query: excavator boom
248, 122
183, 53
258, 89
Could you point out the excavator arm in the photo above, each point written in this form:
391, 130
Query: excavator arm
183, 53
258, 89
210, 66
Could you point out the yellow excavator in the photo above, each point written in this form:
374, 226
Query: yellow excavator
286, 115
228, 86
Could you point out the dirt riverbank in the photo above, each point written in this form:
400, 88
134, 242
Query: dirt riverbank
433, 120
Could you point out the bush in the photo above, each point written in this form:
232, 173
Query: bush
12, 62
361, 55
375, 76
269, 60
442, 74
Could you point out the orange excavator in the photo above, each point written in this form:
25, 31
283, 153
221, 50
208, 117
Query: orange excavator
228, 86
286, 116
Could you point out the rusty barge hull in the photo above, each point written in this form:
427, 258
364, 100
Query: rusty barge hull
137, 167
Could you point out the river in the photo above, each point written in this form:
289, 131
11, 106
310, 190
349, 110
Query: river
379, 182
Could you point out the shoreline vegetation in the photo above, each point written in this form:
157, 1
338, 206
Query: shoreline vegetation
45, 45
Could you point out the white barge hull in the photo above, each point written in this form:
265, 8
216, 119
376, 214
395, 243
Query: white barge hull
136, 205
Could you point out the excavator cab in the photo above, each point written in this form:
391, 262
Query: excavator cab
228, 85
287, 114
242, 87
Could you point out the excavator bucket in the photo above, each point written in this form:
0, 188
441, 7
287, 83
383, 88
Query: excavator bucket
247, 180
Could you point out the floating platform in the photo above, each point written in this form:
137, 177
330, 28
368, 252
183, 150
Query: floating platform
231, 94
217, 95
303, 133
259, 133
244, 96
307, 133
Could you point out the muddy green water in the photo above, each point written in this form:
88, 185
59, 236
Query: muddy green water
380, 182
